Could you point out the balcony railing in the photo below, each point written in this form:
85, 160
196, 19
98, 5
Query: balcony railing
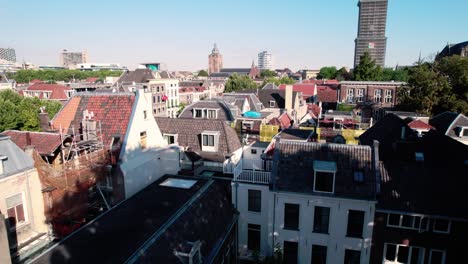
261, 177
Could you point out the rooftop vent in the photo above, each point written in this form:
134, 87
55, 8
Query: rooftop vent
419, 156
189, 252
2, 158
178, 183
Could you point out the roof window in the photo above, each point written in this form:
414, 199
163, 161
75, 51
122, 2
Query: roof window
178, 183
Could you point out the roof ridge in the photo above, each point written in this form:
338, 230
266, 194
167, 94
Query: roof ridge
326, 144
35, 132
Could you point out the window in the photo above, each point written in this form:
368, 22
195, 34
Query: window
253, 151
272, 103
154, 111
255, 201
15, 210
291, 216
154, 99
323, 181
143, 142
388, 96
289, 252
436, 256
349, 95
377, 95
212, 114
324, 176
464, 132
247, 125
145, 115
170, 138
319, 254
419, 156
198, 113
352, 256
441, 226
321, 219
208, 140
253, 236
358, 176
407, 221
355, 223
359, 95
403, 254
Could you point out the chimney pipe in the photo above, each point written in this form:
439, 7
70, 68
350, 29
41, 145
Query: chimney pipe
44, 121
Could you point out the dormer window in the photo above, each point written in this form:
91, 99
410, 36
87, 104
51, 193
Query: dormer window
272, 103
197, 113
210, 141
171, 138
324, 176
463, 132
212, 113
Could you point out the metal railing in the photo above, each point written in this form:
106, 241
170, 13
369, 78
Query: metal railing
262, 177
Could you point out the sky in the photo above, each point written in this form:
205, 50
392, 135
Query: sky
307, 34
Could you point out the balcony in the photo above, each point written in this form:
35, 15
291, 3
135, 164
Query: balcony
260, 177
252, 171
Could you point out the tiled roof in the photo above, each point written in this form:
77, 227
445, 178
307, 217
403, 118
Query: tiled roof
307, 89
36, 81
255, 104
327, 94
189, 134
136, 76
418, 124
315, 109
284, 121
111, 111
45, 143
17, 161
58, 91
296, 134
91, 79
295, 168
224, 113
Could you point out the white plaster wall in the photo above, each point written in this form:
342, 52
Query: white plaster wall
252, 161
336, 241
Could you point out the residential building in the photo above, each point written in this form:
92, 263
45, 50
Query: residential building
460, 49
71, 58
192, 91
309, 74
173, 220
5, 83
371, 31
48, 91
165, 91
265, 60
129, 81
99, 66
21, 202
139, 154
215, 61
8, 54
451, 124
211, 109
316, 204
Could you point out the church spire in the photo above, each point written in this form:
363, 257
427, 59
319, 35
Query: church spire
215, 49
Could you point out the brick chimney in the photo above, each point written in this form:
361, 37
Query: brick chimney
44, 120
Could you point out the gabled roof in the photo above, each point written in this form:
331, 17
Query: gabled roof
255, 104
295, 168
418, 124
284, 121
448, 122
45, 143
224, 111
111, 111
151, 224
16, 160
189, 135
270, 86
306, 88
136, 76
327, 94
58, 91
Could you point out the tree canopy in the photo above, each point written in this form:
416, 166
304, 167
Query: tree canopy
239, 82
25, 76
367, 70
278, 81
202, 73
22, 113
327, 73
268, 73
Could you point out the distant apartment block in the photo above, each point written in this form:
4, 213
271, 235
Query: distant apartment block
71, 58
265, 60
8, 54
371, 31
215, 61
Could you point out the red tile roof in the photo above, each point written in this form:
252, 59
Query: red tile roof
321, 82
44, 143
284, 121
112, 113
327, 94
418, 124
92, 79
314, 109
36, 81
307, 89
58, 91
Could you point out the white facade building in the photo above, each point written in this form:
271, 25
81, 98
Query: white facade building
170, 86
265, 60
292, 211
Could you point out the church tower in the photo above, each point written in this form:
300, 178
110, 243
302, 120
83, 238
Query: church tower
215, 60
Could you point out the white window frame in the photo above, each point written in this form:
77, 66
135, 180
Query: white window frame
400, 224
167, 135
388, 96
441, 231
195, 112
25, 210
208, 148
395, 261
272, 104
248, 123
462, 129
326, 171
359, 95
349, 95
210, 116
378, 95
438, 250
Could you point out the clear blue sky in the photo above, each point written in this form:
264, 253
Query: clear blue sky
301, 34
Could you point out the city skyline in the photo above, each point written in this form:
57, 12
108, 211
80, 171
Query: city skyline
300, 34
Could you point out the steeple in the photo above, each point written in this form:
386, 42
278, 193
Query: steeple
215, 49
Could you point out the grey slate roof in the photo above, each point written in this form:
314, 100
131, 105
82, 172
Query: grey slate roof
448, 122
16, 160
137, 76
255, 104
224, 112
220, 75
239, 71
295, 168
189, 135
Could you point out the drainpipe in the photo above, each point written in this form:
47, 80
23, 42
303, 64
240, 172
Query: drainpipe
273, 230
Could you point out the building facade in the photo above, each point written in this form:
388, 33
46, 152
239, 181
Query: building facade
265, 60
8, 54
371, 31
70, 58
215, 61
165, 92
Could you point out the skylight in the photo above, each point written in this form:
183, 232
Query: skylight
178, 183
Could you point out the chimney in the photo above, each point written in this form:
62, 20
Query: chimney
2, 159
315, 89
28, 138
44, 120
288, 104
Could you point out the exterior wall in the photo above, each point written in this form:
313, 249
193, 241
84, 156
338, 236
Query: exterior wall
271, 220
252, 161
157, 92
453, 243
215, 63
186, 98
171, 90
369, 92
27, 183
141, 167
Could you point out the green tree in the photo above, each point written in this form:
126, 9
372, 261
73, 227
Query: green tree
397, 75
9, 115
343, 75
236, 83
278, 81
327, 73
367, 70
202, 73
25, 76
268, 73
456, 70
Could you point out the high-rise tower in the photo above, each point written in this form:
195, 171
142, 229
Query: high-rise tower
265, 60
8, 54
215, 60
371, 31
